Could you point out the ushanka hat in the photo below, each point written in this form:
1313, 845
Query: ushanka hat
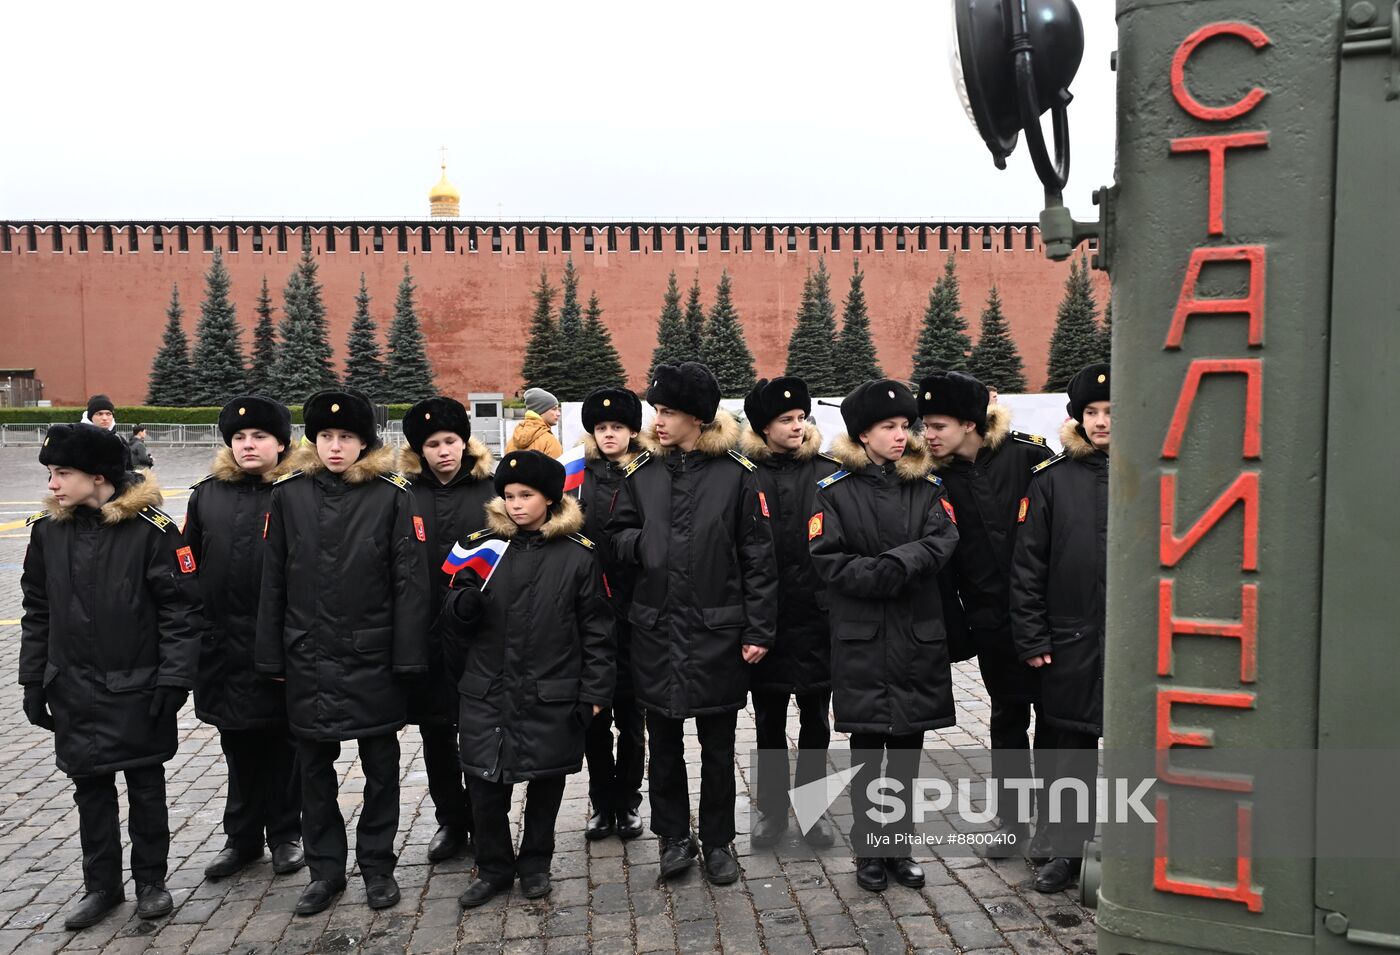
875, 401
955, 395
1090, 384
689, 387
768, 399
612, 404
256, 411
345, 408
432, 415
87, 448
533, 469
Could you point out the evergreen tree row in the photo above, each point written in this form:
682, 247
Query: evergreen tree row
571, 353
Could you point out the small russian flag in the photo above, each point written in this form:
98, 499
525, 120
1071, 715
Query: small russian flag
574, 468
483, 559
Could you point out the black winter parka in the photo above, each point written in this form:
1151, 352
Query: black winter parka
449, 513
344, 611
879, 537
707, 584
1057, 582
224, 525
602, 483
538, 646
111, 611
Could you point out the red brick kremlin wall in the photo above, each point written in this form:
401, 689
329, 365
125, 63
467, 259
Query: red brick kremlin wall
89, 319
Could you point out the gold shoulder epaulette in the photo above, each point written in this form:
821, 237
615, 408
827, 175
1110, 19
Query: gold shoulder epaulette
1047, 462
635, 463
580, 539
162, 521
36, 518
288, 477
830, 457
396, 479
832, 478
1028, 438
200, 481
478, 535
748, 465
934, 479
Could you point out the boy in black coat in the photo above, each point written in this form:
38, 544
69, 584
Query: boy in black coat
224, 524
1058, 576
343, 618
786, 447
612, 418
537, 639
451, 475
108, 654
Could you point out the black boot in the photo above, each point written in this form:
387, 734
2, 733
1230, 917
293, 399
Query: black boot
447, 843
480, 892
768, 829
231, 860
287, 857
600, 826
1007, 841
629, 824
906, 872
153, 901
318, 896
721, 868
535, 885
1057, 875
821, 835
93, 908
381, 891
870, 875
676, 856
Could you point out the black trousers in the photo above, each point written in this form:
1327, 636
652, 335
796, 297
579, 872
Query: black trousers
895, 758
323, 827
1009, 729
99, 828
1076, 757
264, 789
770, 710
670, 787
615, 785
496, 862
447, 784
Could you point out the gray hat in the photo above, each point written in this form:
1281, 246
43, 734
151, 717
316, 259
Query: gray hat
539, 401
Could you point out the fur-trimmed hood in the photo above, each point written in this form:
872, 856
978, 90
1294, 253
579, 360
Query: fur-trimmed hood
915, 465
225, 468
755, 448
1076, 444
371, 464
717, 438
478, 456
591, 452
142, 492
998, 430
568, 519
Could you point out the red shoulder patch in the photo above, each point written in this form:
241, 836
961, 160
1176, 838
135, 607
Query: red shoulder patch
948, 508
814, 526
185, 556
267, 519
763, 503
418, 530
1025, 508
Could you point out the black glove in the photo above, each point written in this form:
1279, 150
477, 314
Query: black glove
167, 701
466, 604
890, 576
36, 707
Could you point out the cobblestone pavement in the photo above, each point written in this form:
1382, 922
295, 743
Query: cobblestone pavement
605, 896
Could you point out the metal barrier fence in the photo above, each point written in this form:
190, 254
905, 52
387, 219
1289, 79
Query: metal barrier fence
490, 431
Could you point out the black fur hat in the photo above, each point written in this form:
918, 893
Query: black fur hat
432, 415
875, 401
612, 404
533, 469
256, 411
344, 408
87, 448
956, 395
690, 387
768, 399
1088, 385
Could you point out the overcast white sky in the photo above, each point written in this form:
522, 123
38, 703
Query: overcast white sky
609, 110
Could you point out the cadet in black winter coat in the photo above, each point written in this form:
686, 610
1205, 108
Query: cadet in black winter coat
438, 434
613, 416
225, 521
109, 650
537, 640
881, 532
986, 468
704, 608
1058, 576
786, 446
344, 619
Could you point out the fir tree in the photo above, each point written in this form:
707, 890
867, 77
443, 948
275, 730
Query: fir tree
261, 369
1106, 334
364, 365
217, 361
855, 357
599, 363
694, 320
673, 343
541, 368
724, 349
171, 383
570, 314
995, 361
811, 348
943, 341
1075, 340
408, 375
304, 354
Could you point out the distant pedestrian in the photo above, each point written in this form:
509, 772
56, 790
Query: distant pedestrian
140, 457
536, 433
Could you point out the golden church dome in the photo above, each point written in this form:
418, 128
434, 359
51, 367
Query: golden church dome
444, 201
